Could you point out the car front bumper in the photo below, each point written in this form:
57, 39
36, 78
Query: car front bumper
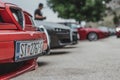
59, 39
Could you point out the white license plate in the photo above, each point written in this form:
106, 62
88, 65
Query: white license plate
26, 49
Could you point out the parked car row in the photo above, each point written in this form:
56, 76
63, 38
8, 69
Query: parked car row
23, 40
91, 34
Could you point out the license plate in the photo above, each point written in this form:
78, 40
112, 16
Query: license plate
27, 49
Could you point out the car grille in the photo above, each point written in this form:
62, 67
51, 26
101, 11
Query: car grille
65, 31
65, 41
62, 31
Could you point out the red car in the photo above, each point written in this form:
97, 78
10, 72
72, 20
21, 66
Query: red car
90, 34
20, 43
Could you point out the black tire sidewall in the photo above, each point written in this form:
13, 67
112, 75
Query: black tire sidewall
89, 34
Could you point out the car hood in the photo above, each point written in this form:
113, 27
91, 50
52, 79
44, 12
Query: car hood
50, 25
90, 29
74, 30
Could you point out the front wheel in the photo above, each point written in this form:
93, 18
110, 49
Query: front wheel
92, 36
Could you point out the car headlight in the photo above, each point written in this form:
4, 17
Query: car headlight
58, 29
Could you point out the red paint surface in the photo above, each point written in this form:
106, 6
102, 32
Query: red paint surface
83, 33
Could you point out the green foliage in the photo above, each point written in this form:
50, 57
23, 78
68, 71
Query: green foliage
89, 10
116, 19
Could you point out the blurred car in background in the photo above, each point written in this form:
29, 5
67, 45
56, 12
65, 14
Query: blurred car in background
112, 31
108, 31
20, 43
105, 30
59, 34
74, 32
91, 34
118, 32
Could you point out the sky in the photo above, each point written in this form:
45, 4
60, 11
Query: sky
31, 5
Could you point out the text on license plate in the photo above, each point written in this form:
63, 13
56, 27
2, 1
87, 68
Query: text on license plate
28, 48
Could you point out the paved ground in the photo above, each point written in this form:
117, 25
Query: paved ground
99, 60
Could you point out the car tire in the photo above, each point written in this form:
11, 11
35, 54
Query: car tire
92, 36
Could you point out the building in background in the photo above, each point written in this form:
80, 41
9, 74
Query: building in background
114, 4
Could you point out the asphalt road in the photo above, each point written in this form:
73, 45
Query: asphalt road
99, 60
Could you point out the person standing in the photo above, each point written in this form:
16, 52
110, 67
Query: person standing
38, 14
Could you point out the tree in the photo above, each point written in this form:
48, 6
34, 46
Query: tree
116, 19
88, 10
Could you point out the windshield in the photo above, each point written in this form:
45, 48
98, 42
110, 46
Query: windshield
103, 28
74, 26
